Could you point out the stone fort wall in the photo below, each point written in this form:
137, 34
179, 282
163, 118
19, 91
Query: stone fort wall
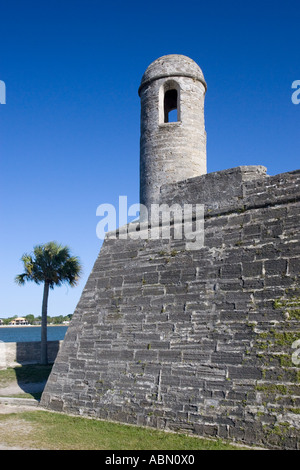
195, 341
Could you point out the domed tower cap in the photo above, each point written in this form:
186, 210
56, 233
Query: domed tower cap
173, 65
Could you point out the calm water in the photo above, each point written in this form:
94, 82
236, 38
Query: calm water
22, 334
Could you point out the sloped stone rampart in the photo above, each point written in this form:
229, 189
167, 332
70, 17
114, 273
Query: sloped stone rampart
196, 341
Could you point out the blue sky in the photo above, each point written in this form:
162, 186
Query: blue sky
69, 131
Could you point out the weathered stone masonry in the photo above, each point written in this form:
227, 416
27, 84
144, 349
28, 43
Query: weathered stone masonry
197, 341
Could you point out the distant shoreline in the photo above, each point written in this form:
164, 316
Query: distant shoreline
33, 326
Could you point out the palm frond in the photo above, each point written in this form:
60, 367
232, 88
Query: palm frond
51, 263
21, 279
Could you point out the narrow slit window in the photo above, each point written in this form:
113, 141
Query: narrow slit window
170, 106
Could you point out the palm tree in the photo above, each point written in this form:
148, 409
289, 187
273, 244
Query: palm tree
52, 265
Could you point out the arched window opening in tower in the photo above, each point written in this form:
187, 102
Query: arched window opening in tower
170, 106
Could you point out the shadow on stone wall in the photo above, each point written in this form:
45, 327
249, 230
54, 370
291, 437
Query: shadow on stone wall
30, 353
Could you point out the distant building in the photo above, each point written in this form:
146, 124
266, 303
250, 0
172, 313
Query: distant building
19, 321
1, 322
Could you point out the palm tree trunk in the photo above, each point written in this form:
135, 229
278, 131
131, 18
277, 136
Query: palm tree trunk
44, 353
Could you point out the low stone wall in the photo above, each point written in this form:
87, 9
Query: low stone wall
12, 354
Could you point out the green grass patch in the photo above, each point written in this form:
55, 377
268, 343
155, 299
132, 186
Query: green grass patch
31, 373
50, 430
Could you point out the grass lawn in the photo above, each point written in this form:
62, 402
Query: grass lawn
50, 430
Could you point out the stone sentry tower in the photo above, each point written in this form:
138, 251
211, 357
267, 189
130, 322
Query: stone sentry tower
171, 151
